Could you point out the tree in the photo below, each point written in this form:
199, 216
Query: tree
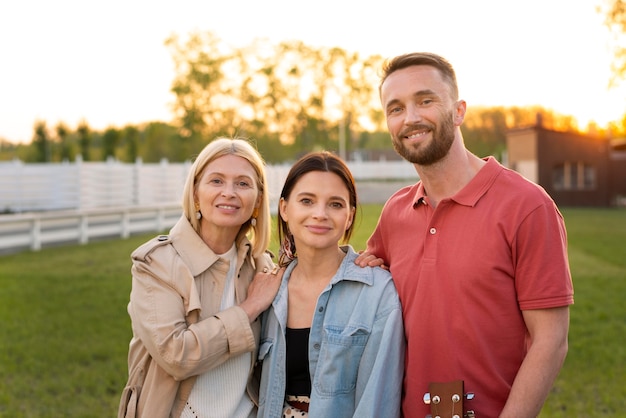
42, 142
84, 139
290, 91
63, 132
110, 139
615, 20
130, 137
201, 98
160, 141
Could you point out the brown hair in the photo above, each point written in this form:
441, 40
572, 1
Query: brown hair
315, 161
422, 58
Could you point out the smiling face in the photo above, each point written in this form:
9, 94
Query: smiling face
422, 117
227, 193
318, 211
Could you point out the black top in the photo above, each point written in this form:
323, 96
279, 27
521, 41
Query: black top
298, 377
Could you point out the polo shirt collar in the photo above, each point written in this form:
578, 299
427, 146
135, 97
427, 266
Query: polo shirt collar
420, 194
474, 190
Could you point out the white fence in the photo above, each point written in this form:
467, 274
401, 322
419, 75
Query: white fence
87, 185
77, 202
36, 230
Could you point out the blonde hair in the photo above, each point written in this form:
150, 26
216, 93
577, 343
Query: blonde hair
259, 234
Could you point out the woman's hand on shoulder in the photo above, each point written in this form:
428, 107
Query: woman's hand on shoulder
261, 292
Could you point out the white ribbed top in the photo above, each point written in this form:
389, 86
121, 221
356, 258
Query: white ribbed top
221, 392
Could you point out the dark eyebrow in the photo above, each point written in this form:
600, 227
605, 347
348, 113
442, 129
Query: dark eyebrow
338, 198
309, 194
423, 93
416, 95
392, 103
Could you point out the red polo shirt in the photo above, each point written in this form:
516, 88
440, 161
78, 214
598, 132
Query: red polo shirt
464, 272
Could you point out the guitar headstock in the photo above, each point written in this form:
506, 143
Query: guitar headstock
446, 400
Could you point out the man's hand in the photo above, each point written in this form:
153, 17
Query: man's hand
366, 259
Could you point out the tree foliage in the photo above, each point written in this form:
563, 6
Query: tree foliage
65, 147
84, 140
288, 98
614, 12
484, 128
41, 141
287, 91
110, 141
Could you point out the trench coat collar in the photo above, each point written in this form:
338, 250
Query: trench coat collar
195, 253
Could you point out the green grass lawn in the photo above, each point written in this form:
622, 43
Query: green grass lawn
64, 328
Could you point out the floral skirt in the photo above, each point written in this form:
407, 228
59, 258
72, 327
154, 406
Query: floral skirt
290, 411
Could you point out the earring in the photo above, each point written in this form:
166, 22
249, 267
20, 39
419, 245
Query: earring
287, 252
255, 214
198, 213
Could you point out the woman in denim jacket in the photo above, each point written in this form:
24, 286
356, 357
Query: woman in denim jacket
332, 343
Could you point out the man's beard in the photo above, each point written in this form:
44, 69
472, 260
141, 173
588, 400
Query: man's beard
440, 144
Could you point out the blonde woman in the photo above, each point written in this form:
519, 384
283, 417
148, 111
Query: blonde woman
194, 305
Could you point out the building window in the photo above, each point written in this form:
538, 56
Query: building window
589, 177
558, 177
573, 176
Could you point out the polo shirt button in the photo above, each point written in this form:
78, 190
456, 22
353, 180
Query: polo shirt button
433, 231
321, 309
316, 346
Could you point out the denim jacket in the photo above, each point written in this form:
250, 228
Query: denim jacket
356, 346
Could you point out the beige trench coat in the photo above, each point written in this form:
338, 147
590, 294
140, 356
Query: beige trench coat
174, 340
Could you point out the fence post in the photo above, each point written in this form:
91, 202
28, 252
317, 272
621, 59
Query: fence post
125, 224
84, 229
160, 219
79, 176
35, 236
137, 180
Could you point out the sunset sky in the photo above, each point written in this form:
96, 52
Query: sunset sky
105, 62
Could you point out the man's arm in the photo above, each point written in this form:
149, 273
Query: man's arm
548, 330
